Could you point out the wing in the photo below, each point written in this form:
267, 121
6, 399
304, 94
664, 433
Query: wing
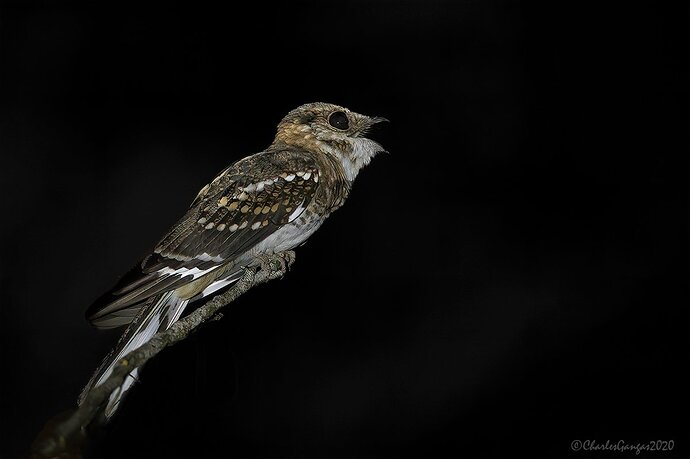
242, 206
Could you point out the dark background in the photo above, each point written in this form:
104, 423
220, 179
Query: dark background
511, 278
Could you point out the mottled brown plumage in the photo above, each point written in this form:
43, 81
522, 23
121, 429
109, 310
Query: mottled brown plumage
266, 203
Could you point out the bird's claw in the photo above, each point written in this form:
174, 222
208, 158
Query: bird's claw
277, 265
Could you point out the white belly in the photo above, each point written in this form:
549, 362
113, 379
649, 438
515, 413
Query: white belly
289, 236
286, 238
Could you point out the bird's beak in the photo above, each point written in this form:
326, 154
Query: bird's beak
376, 120
369, 122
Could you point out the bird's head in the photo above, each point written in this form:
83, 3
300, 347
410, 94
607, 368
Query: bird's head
332, 130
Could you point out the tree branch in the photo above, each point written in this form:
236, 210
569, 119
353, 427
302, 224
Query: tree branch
63, 439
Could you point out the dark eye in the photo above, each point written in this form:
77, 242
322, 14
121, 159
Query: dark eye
339, 120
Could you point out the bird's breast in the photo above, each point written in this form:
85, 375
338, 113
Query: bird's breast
291, 234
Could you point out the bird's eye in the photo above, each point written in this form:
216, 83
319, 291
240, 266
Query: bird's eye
339, 120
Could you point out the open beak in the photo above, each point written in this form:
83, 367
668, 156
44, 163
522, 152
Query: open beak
369, 122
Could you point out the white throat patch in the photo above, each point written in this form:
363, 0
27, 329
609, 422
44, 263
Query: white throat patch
363, 150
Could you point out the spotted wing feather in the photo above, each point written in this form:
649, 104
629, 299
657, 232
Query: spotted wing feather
245, 204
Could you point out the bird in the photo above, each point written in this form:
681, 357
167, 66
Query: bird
266, 203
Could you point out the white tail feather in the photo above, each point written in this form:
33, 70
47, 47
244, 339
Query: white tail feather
159, 315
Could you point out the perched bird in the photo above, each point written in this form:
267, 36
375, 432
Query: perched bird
266, 203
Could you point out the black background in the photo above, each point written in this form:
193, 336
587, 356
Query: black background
511, 278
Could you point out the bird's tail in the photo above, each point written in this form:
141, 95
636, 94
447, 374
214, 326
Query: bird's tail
159, 314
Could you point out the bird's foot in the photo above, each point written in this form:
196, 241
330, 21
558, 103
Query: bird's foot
275, 266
